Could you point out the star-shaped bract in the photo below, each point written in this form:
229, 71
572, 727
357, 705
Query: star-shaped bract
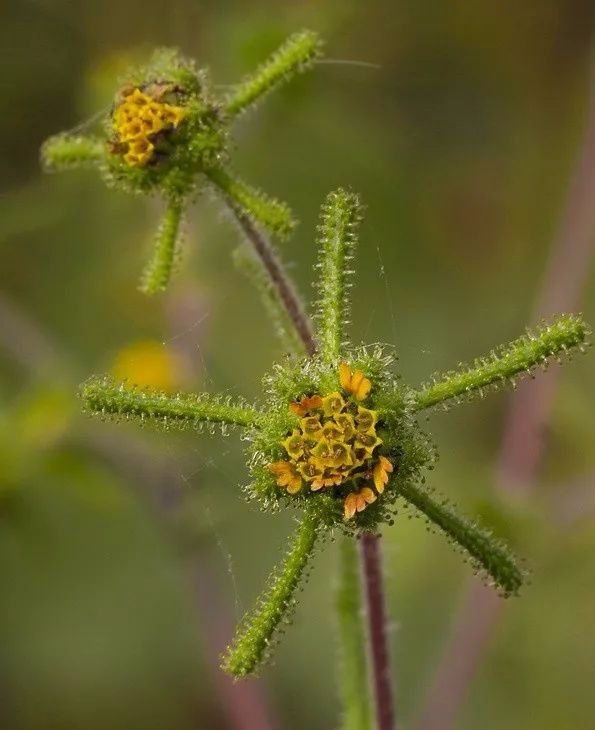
168, 133
307, 395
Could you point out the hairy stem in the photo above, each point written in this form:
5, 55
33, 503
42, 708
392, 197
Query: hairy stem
107, 398
519, 357
353, 676
374, 588
275, 270
257, 632
159, 269
64, 151
487, 553
274, 215
296, 55
340, 217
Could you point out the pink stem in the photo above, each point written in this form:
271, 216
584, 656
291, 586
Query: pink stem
374, 590
245, 704
523, 439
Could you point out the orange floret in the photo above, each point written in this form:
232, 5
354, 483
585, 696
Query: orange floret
358, 501
286, 477
354, 382
305, 404
381, 471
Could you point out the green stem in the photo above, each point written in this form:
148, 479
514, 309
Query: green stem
340, 217
353, 676
488, 553
275, 216
63, 152
104, 397
159, 269
257, 632
296, 55
519, 357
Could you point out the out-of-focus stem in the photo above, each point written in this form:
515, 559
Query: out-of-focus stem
523, 439
26, 343
283, 284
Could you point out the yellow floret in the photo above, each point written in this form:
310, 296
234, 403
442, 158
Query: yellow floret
139, 118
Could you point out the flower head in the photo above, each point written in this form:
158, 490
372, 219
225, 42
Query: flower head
336, 447
143, 122
168, 133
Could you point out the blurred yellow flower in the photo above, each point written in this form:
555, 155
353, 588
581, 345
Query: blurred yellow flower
148, 363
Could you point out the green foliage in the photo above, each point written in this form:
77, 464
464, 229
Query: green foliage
296, 55
486, 552
500, 367
353, 678
337, 238
158, 272
259, 628
104, 397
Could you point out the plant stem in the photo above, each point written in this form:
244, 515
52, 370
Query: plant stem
353, 662
369, 543
374, 587
523, 439
282, 282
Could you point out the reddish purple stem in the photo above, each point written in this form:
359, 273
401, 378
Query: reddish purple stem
374, 589
523, 439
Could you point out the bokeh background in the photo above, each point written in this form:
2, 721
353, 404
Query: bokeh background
126, 555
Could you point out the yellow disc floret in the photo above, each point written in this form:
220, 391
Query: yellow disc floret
335, 446
138, 120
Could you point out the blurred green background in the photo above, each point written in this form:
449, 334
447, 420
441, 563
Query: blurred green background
125, 555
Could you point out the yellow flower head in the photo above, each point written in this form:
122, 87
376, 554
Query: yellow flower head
137, 121
336, 445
